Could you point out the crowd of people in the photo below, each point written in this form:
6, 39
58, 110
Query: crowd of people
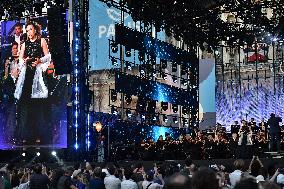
243, 141
160, 176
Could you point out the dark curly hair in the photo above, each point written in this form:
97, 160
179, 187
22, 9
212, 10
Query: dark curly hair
36, 27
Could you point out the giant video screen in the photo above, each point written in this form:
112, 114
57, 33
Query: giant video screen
33, 94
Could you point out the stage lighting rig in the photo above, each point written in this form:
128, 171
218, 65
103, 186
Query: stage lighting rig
153, 60
164, 64
128, 65
127, 52
128, 99
185, 110
174, 78
175, 119
174, 67
143, 117
185, 122
114, 110
113, 95
142, 70
165, 118
164, 106
183, 69
114, 61
154, 118
53, 153
175, 108
151, 106
114, 47
141, 56
163, 75
185, 82
128, 113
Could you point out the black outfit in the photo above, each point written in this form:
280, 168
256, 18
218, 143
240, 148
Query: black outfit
235, 128
244, 150
233, 145
275, 131
39, 181
32, 112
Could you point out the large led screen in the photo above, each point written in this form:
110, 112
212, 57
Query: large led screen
32, 93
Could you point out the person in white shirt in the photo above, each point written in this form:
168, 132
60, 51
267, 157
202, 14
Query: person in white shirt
112, 182
128, 183
236, 175
149, 182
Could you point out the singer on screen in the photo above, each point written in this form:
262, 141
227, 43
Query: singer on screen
31, 90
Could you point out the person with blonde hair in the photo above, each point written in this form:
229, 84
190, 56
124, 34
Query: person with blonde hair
235, 176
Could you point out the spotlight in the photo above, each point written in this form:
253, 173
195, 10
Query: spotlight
165, 118
185, 110
142, 70
153, 60
174, 78
141, 105
175, 119
114, 61
23, 154
183, 70
53, 153
185, 122
128, 99
154, 73
175, 108
128, 113
174, 67
127, 52
128, 65
164, 64
38, 153
151, 106
113, 110
113, 95
164, 106
164, 76
114, 47
141, 56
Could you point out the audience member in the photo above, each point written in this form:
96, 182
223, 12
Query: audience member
128, 183
39, 180
178, 181
246, 183
235, 176
96, 181
204, 179
112, 182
